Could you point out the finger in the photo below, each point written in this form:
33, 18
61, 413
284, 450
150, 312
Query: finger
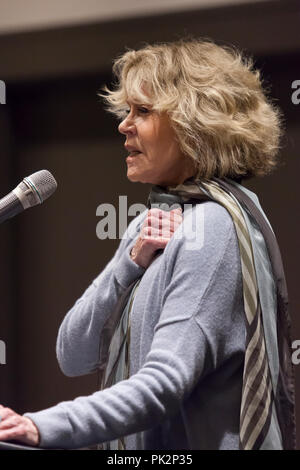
177, 223
155, 212
152, 221
156, 244
171, 223
153, 243
10, 422
177, 211
161, 242
13, 433
177, 215
155, 216
165, 233
150, 232
164, 223
174, 217
5, 412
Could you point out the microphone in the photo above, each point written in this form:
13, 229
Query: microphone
33, 190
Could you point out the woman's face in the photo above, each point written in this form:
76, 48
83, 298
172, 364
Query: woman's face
154, 153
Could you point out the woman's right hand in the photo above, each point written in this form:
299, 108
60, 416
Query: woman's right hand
17, 428
157, 230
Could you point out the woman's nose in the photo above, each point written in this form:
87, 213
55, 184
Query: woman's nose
127, 125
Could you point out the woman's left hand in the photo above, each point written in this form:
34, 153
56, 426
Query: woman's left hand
157, 230
15, 427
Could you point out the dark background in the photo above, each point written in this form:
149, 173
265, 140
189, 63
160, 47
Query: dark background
53, 119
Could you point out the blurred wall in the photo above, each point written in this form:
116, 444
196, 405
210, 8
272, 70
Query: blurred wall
34, 14
53, 119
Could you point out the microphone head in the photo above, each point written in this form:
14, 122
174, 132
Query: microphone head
42, 183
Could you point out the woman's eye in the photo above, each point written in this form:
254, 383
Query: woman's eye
139, 110
143, 110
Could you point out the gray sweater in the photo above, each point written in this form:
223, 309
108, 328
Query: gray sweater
186, 351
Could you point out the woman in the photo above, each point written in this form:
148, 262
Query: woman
192, 354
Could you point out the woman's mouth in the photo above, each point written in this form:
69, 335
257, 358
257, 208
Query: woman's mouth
134, 153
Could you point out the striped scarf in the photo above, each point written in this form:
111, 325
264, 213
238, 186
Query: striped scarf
259, 394
118, 363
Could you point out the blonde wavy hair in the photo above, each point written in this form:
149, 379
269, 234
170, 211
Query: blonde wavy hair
214, 98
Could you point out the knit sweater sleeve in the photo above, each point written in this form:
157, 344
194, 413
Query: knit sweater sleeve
77, 346
189, 339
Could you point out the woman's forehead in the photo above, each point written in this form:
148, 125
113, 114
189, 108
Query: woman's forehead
137, 98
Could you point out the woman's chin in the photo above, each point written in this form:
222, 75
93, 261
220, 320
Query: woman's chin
133, 176
136, 177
